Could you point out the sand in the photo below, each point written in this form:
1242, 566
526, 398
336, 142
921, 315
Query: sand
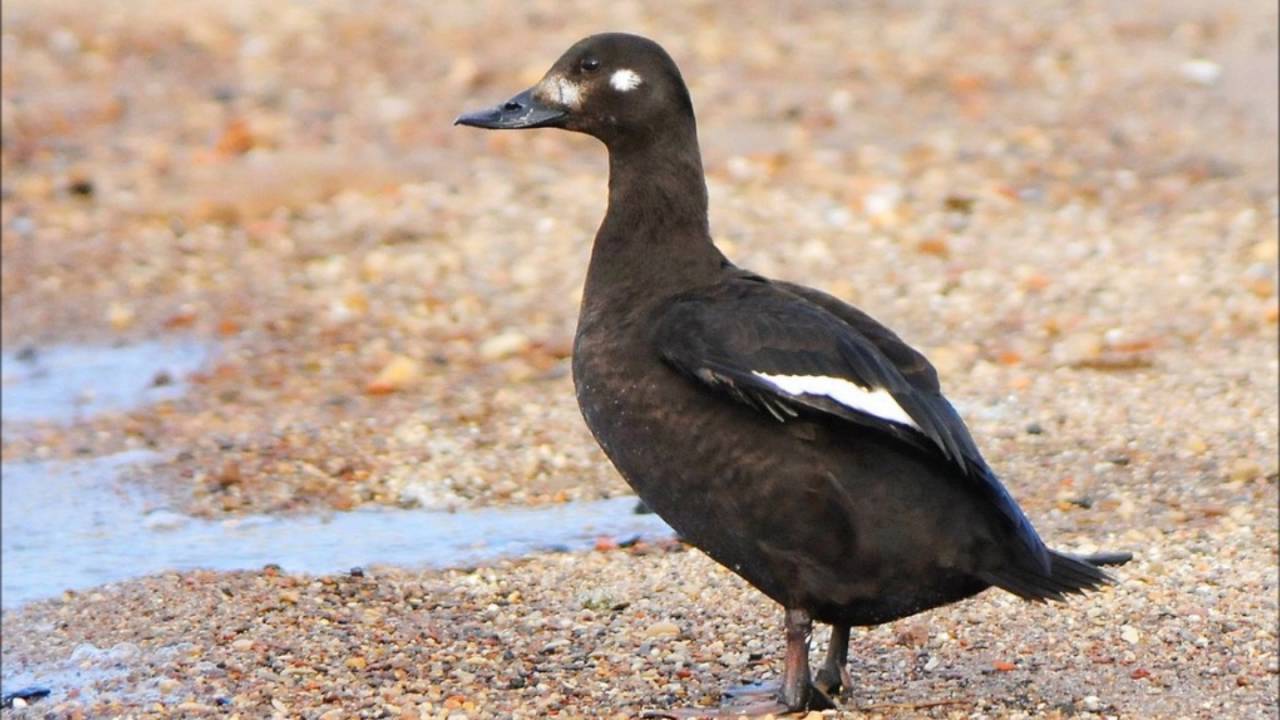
1072, 209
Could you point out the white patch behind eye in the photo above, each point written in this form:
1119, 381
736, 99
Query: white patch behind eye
624, 80
877, 402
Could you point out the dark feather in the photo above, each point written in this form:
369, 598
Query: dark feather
724, 335
1068, 574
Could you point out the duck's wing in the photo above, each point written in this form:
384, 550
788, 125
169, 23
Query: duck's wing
772, 348
913, 365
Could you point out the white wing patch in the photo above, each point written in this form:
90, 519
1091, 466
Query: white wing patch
624, 80
877, 402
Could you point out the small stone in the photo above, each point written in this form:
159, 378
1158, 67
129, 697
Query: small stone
934, 246
1130, 634
503, 345
356, 662
662, 628
242, 644
119, 316
881, 201
1091, 703
1078, 348
1244, 470
236, 139
1201, 71
82, 187
400, 372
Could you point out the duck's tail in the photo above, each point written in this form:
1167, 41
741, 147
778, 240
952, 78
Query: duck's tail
1068, 574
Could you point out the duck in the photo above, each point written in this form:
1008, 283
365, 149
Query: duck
786, 434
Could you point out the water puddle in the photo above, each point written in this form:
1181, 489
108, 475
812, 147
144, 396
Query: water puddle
77, 524
66, 383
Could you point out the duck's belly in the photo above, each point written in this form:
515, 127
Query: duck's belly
817, 515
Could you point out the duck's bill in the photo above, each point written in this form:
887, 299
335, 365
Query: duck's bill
520, 112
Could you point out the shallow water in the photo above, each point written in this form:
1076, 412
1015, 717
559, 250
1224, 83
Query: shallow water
77, 524
71, 382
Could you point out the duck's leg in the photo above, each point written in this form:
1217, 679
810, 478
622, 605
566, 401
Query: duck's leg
834, 675
795, 676
797, 693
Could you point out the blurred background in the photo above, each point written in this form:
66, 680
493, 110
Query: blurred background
383, 304
253, 276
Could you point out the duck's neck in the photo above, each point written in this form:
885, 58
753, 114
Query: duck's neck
655, 236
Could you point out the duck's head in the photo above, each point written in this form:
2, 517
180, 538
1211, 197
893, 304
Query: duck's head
619, 88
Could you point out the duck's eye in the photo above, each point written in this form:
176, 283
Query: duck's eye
589, 64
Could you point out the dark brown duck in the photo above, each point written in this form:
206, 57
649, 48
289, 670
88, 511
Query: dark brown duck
788, 435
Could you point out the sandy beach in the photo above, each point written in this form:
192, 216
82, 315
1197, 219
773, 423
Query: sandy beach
1070, 208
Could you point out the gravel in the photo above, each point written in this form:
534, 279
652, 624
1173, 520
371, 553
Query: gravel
1072, 208
1055, 219
614, 633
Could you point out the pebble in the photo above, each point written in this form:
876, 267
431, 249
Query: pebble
662, 629
1244, 470
503, 345
1078, 348
398, 373
1130, 634
119, 315
1201, 71
316, 213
